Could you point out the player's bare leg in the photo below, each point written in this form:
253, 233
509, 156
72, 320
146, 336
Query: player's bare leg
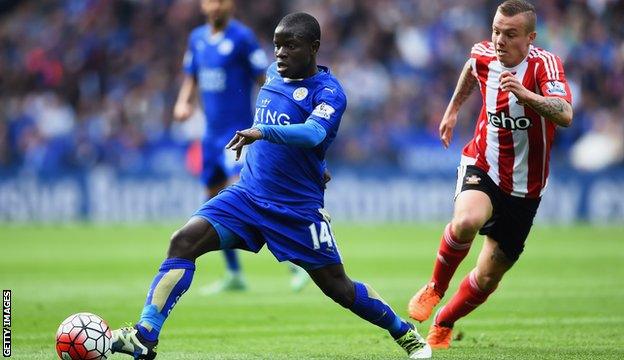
174, 277
491, 265
473, 291
472, 209
362, 300
194, 239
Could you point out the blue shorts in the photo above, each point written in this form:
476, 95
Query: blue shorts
218, 163
302, 236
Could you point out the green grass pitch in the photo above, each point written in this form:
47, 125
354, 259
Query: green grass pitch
563, 300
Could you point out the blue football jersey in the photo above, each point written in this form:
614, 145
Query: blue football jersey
288, 174
225, 66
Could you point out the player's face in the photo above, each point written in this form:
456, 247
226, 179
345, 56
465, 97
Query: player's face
295, 55
217, 11
511, 39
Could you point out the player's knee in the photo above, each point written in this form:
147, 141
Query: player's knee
466, 225
179, 245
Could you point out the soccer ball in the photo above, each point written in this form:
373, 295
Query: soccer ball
83, 336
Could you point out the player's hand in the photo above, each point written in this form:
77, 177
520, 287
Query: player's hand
326, 178
182, 111
509, 82
242, 138
446, 129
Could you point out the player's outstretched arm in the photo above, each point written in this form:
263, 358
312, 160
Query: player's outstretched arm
554, 109
465, 86
308, 134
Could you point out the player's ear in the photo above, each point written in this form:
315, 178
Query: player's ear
532, 37
316, 44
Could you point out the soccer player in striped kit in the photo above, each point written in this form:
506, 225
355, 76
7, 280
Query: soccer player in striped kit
504, 168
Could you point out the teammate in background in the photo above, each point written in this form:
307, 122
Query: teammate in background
278, 200
223, 60
504, 168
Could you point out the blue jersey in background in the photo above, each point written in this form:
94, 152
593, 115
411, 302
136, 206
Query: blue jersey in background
288, 174
225, 66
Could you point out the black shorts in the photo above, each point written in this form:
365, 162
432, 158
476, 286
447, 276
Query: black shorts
512, 217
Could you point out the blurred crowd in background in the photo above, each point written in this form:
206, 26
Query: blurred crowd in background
93, 82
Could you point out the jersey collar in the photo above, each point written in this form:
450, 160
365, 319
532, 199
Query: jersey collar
214, 39
321, 70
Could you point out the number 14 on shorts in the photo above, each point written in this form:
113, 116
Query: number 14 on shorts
324, 235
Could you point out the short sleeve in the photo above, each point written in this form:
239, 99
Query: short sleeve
479, 51
329, 106
551, 79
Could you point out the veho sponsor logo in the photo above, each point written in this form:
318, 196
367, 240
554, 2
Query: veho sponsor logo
502, 120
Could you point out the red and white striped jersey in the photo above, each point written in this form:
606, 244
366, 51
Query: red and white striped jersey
511, 141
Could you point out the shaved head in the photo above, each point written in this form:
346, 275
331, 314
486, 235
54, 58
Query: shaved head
302, 25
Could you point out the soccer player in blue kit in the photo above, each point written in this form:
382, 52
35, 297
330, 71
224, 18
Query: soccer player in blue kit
278, 200
223, 60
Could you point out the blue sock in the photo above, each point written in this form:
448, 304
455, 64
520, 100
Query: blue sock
173, 279
370, 306
231, 260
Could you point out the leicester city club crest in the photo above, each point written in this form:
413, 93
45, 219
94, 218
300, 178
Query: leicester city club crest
300, 93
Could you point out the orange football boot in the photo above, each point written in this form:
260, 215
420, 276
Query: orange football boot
421, 305
439, 337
